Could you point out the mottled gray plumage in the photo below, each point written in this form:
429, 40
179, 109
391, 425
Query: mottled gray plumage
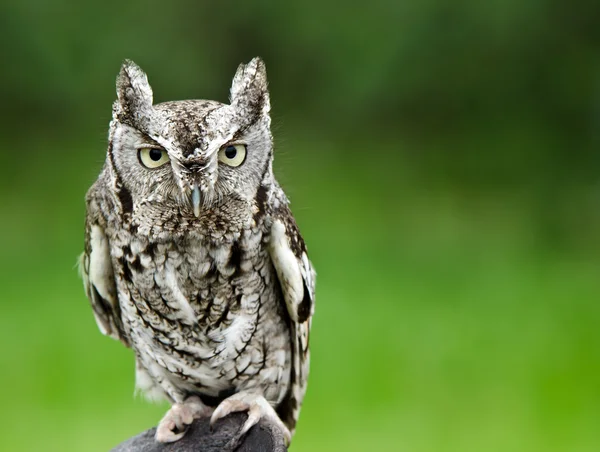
197, 263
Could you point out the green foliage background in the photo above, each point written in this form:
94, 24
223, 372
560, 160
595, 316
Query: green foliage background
443, 163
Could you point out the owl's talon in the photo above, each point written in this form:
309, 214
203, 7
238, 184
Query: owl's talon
165, 433
175, 423
254, 414
257, 407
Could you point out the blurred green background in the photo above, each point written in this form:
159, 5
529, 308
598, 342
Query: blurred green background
443, 163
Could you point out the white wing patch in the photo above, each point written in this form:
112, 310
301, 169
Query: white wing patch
99, 281
297, 280
287, 267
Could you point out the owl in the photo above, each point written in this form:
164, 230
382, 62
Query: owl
193, 258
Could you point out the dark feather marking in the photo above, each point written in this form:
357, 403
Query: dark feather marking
236, 303
122, 193
111, 158
126, 270
235, 257
87, 244
212, 273
206, 312
238, 134
295, 239
262, 195
125, 199
222, 317
261, 202
151, 249
305, 305
255, 111
107, 312
136, 264
101, 306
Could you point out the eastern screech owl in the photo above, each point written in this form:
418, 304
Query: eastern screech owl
193, 258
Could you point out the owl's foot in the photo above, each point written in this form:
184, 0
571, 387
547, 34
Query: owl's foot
173, 426
258, 408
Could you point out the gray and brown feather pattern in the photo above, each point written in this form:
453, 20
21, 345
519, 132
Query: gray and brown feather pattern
193, 258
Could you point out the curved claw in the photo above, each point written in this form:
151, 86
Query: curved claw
257, 407
173, 426
165, 433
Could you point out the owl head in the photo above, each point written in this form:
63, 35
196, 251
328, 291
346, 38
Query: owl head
190, 156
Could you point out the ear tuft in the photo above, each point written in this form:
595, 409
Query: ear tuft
249, 88
134, 93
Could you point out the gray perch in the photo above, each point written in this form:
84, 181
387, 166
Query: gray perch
263, 437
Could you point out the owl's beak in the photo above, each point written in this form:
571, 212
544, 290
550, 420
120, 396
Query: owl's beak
196, 198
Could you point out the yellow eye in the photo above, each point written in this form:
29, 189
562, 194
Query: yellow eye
233, 154
153, 157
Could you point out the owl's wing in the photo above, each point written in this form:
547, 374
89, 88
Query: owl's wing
96, 270
297, 279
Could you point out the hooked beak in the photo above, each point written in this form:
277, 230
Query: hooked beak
196, 198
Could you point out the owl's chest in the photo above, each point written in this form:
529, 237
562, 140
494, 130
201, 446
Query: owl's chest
201, 312
194, 281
